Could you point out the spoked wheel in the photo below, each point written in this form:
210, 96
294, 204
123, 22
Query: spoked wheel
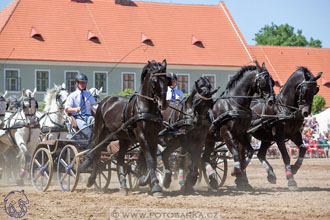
68, 168
220, 167
41, 170
103, 175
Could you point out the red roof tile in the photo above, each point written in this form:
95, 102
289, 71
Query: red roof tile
6, 13
64, 25
283, 61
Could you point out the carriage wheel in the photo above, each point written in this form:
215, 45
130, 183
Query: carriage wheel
220, 167
41, 170
103, 175
68, 168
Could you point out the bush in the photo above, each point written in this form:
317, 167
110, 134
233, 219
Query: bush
126, 93
318, 104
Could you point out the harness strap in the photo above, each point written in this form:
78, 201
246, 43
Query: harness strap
229, 115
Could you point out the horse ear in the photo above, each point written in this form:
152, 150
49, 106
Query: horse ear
306, 76
24, 93
258, 66
197, 87
34, 92
63, 86
4, 95
100, 90
263, 66
316, 78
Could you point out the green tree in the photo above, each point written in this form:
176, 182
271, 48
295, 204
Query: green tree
318, 104
283, 35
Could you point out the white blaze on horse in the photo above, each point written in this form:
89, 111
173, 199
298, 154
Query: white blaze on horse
96, 92
18, 131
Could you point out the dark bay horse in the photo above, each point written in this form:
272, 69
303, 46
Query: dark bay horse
232, 117
192, 123
142, 113
295, 101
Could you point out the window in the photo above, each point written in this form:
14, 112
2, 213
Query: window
100, 80
128, 80
12, 80
69, 79
211, 78
183, 82
42, 80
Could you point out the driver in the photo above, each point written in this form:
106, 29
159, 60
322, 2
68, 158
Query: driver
80, 104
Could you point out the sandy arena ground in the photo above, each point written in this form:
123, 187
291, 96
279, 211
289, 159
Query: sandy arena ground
266, 201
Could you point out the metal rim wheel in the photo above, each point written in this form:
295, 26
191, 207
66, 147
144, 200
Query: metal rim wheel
103, 175
41, 170
68, 168
220, 167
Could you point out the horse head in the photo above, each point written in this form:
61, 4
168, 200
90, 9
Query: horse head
200, 99
264, 84
306, 90
29, 103
61, 95
155, 82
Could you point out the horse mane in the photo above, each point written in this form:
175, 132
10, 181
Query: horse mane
49, 96
232, 82
299, 70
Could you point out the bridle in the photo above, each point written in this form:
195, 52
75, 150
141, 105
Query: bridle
302, 89
29, 100
60, 103
260, 82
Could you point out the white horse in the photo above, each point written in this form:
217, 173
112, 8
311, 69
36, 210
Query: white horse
18, 130
96, 92
3, 107
53, 119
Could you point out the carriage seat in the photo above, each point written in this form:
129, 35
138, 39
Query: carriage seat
74, 124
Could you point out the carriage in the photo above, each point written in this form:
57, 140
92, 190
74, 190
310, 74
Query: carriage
64, 156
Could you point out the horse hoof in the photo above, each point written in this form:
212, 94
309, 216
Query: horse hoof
188, 190
292, 184
248, 187
271, 179
156, 188
167, 179
124, 191
157, 194
294, 169
90, 182
213, 182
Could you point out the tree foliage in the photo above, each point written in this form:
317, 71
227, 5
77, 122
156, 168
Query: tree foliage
318, 104
283, 35
126, 93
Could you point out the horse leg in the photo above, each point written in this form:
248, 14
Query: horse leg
181, 165
193, 164
244, 144
271, 177
302, 151
121, 165
168, 172
286, 159
206, 160
149, 148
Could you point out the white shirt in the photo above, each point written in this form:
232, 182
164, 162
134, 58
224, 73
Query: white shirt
73, 101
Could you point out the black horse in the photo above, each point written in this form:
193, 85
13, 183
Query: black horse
135, 120
294, 102
188, 129
232, 117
